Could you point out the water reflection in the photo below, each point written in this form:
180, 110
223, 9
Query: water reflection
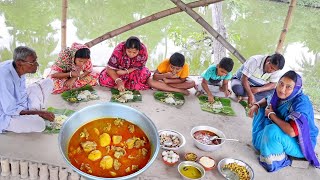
251, 27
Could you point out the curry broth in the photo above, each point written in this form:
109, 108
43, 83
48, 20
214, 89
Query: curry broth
78, 157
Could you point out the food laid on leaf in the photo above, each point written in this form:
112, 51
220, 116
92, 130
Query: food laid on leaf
61, 115
245, 106
171, 98
109, 148
125, 96
85, 93
170, 157
205, 137
220, 105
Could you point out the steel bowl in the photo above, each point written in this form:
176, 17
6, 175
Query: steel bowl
175, 133
230, 175
194, 164
97, 111
206, 147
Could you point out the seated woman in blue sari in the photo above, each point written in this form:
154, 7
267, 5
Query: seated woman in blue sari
283, 125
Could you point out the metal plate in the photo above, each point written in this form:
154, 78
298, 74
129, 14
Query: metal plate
229, 174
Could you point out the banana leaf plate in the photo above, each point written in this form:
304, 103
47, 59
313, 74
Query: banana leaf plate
54, 127
72, 95
170, 98
126, 96
226, 108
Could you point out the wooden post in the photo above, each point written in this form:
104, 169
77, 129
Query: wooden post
207, 26
146, 20
285, 26
64, 24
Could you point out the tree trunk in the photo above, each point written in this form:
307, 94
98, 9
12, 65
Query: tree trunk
147, 19
64, 24
217, 18
207, 26
285, 26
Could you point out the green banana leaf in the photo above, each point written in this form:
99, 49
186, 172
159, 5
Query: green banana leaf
49, 125
115, 94
161, 96
225, 110
71, 95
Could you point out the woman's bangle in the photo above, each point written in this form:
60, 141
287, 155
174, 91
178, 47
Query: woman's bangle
257, 104
116, 80
270, 114
127, 71
70, 75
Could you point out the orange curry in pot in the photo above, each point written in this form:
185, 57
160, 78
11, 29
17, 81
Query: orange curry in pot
109, 147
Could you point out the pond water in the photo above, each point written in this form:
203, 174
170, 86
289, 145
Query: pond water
253, 28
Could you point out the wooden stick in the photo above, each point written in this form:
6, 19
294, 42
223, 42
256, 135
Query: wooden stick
147, 19
64, 24
285, 26
210, 29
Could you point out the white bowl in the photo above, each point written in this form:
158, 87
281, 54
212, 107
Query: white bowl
175, 133
206, 147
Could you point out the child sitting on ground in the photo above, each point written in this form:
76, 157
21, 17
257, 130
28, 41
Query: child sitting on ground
171, 75
213, 76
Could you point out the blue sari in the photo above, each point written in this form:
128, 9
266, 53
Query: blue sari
275, 145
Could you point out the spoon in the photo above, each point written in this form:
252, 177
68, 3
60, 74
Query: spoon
216, 137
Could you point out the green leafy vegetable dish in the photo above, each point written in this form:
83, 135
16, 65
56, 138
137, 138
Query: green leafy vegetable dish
171, 98
125, 96
220, 105
85, 93
60, 116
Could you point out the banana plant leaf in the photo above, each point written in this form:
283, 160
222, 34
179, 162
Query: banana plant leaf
116, 97
178, 98
50, 127
245, 106
71, 95
226, 105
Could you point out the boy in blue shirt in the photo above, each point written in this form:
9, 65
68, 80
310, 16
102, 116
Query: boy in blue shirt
213, 77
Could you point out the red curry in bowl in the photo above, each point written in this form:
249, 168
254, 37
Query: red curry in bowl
204, 137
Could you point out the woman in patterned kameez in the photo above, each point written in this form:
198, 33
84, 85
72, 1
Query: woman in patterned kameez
283, 125
126, 67
73, 69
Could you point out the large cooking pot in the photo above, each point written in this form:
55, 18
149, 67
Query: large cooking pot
97, 111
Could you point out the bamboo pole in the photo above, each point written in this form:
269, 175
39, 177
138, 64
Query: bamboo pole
207, 26
284, 31
64, 24
147, 19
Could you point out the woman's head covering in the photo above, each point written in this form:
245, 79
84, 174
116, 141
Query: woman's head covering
275, 100
65, 61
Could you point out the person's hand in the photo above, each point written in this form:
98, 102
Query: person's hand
254, 90
210, 98
132, 69
47, 115
70, 82
252, 110
120, 86
75, 74
268, 110
165, 80
251, 100
170, 75
227, 92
